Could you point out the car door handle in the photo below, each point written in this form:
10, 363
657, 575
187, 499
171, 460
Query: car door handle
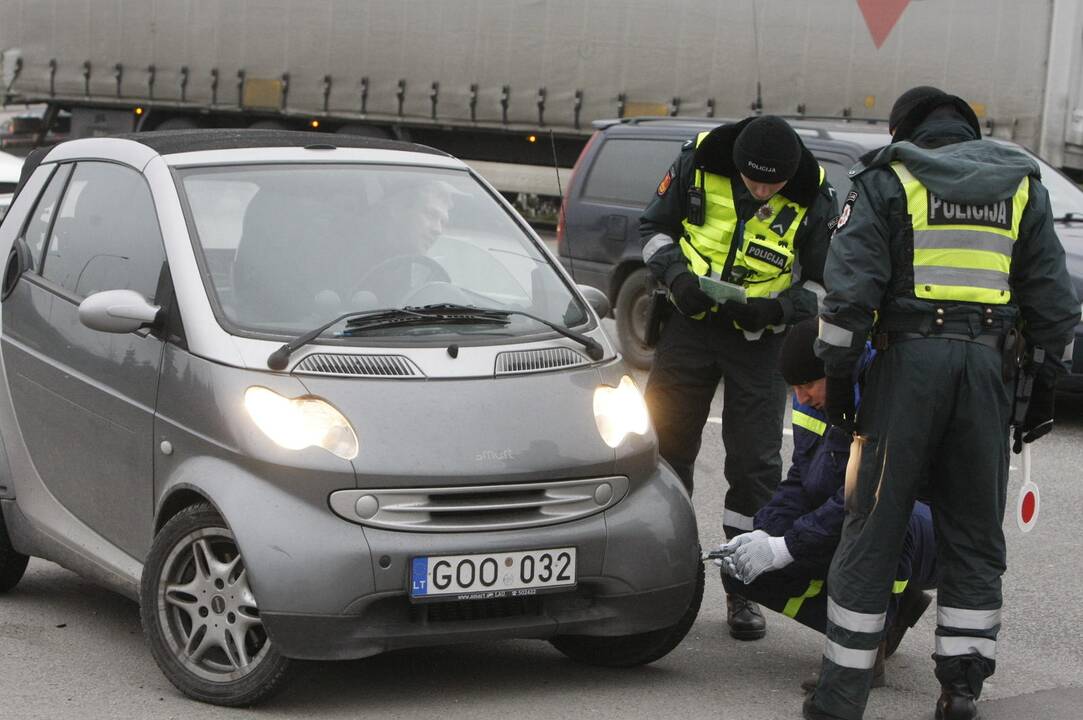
616, 227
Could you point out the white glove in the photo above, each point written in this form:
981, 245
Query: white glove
728, 548
759, 555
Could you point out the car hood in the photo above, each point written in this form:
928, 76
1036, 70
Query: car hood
520, 428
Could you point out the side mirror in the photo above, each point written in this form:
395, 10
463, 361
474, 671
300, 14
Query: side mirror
19, 261
596, 298
117, 311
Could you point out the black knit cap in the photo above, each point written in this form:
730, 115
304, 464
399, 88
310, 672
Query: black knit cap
914, 105
798, 362
767, 150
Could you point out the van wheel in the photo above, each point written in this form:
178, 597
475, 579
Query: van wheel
633, 306
12, 564
632, 650
200, 616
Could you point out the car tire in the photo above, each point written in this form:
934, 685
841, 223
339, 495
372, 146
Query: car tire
632, 650
12, 563
200, 616
631, 311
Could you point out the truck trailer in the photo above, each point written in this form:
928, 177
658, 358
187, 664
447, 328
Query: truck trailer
521, 81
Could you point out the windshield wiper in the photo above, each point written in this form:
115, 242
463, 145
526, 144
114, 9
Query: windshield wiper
453, 312
1069, 217
281, 357
442, 313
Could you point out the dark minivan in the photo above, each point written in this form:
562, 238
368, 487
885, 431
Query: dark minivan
619, 169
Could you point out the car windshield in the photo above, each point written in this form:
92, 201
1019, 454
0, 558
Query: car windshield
289, 247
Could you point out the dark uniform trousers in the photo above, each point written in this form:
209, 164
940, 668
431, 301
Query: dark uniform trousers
801, 592
935, 408
691, 358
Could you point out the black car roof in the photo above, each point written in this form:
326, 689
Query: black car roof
867, 134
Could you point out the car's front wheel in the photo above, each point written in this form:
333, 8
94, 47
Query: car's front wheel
12, 564
200, 616
632, 650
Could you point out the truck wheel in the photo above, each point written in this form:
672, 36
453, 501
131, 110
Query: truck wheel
200, 617
12, 564
633, 306
632, 650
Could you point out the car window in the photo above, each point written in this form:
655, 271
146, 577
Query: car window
106, 234
37, 229
627, 170
287, 247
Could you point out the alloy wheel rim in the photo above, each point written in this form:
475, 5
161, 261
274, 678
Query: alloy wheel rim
206, 608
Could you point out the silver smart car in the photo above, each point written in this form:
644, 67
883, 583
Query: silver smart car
312, 396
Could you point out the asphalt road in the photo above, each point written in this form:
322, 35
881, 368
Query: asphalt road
71, 650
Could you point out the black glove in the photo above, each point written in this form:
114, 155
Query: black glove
687, 295
756, 314
1039, 419
839, 402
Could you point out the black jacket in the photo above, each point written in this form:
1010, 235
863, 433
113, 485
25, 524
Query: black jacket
870, 264
660, 225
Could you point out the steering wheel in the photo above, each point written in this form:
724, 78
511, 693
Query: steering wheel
391, 280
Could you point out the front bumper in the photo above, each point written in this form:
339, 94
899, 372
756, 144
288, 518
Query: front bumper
637, 566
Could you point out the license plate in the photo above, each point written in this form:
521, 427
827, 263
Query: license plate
492, 575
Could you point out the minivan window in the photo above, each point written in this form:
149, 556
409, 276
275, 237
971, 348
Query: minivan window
37, 229
106, 234
838, 175
288, 247
627, 170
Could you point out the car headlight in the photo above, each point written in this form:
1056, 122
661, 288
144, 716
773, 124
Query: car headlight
620, 411
298, 423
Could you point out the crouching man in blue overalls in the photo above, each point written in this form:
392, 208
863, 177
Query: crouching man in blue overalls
783, 562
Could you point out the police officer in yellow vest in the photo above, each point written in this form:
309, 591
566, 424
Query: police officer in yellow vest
944, 247
745, 204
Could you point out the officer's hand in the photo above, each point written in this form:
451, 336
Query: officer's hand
1039, 419
756, 314
761, 555
727, 549
839, 403
688, 296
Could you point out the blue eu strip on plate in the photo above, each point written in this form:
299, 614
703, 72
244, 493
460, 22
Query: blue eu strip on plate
419, 575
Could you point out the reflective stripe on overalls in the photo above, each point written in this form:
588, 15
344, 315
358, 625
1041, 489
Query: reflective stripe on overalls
764, 257
962, 252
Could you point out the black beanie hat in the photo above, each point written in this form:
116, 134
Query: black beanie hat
798, 362
914, 105
767, 150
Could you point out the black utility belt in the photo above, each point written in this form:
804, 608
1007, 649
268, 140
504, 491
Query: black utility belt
884, 340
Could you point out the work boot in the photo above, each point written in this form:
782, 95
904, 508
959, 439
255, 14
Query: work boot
744, 617
956, 703
912, 605
808, 712
879, 679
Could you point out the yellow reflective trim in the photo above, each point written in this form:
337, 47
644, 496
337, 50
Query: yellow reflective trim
793, 605
899, 586
966, 259
808, 422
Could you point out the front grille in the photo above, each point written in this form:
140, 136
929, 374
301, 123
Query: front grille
479, 508
467, 610
358, 365
528, 361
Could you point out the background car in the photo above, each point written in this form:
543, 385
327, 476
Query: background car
314, 401
10, 167
619, 169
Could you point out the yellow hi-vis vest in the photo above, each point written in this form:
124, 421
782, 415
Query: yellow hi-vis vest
962, 253
766, 254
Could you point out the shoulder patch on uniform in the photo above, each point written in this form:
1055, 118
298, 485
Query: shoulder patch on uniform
847, 208
663, 186
832, 223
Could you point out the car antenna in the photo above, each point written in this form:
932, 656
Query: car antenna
562, 217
